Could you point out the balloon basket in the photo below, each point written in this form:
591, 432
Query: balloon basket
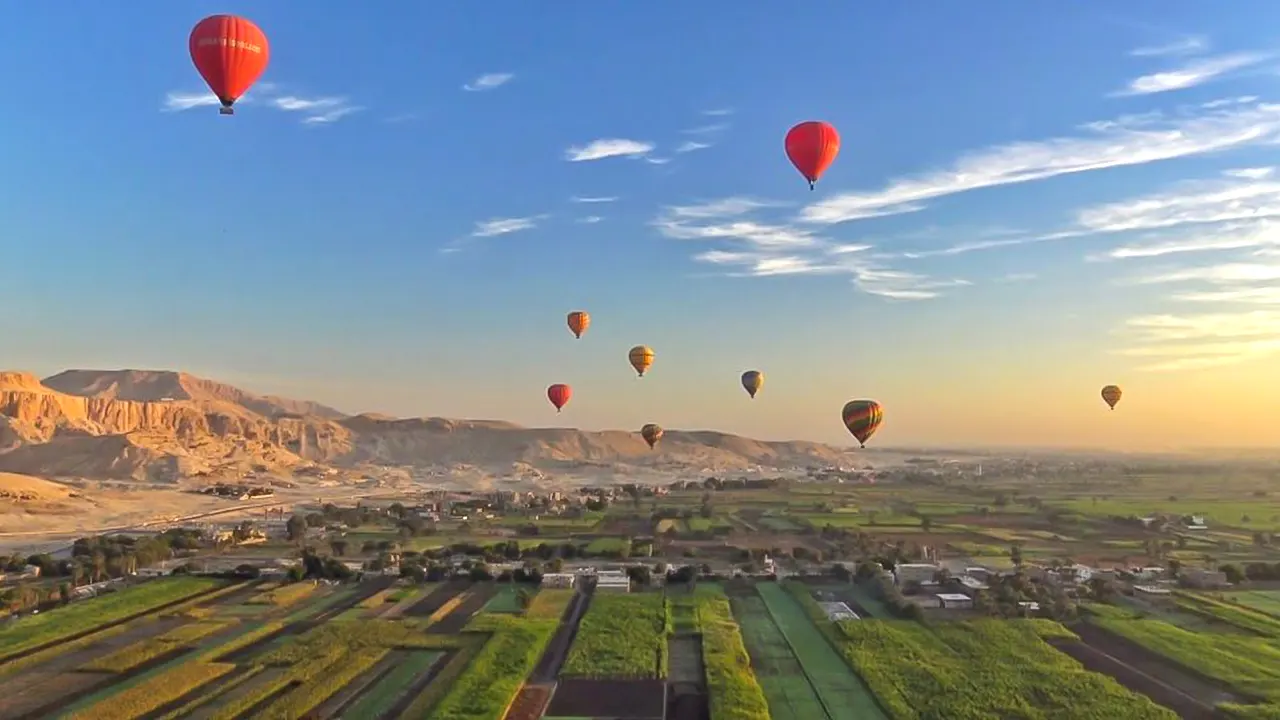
226, 111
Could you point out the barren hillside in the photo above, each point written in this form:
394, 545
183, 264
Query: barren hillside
164, 426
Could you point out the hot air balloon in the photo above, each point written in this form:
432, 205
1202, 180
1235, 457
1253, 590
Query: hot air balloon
812, 147
1111, 394
651, 434
862, 418
579, 321
559, 395
752, 381
641, 357
230, 53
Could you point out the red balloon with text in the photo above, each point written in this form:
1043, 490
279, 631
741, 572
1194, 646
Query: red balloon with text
231, 53
812, 147
559, 395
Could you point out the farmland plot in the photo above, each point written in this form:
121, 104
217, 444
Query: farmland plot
787, 690
621, 636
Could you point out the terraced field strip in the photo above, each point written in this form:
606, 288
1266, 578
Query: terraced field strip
378, 700
839, 689
1265, 601
789, 692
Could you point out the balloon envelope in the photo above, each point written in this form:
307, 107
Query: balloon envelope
230, 53
752, 381
559, 395
641, 358
862, 418
812, 147
652, 434
579, 321
1111, 395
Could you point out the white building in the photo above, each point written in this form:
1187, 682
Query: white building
914, 572
837, 611
956, 601
558, 580
613, 581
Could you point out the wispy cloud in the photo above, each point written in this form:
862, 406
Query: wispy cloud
1195, 72
1125, 141
579, 199
320, 110
504, 226
762, 248
590, 219
1018, 277
657, 160
706, 129
1202, 340
488, 81
692, 146
607, 148
718, 112
1181, 46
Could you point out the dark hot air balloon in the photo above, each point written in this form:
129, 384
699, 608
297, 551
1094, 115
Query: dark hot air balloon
641, 358
559, 395
752, 381
652, 434
812, 147
579, 321
1111, 395
862, 418
230, 53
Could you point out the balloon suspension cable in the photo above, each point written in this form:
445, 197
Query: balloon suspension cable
810, 186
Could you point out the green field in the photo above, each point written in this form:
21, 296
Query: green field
621, 636
1266, 601
787, 690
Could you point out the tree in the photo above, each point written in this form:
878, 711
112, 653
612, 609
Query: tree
296, 529
338, 546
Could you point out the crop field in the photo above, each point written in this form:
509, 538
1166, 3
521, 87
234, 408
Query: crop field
1264, 601
1238, 671
983, 668
621, 636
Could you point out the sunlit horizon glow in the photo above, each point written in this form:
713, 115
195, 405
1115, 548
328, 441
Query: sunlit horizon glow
402, 226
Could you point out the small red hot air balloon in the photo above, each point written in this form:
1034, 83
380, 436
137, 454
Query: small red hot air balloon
230, 53
559, 395
812, 147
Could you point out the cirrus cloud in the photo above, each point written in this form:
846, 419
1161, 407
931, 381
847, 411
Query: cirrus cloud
489, 81
607, 148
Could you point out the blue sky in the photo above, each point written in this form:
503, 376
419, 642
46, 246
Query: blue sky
1031, 201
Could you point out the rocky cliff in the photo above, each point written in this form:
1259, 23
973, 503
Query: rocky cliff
161, 426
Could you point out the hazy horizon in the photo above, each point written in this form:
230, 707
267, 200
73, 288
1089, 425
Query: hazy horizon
1029, 204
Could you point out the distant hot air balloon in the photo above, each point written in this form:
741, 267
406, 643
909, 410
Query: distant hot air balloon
862, 418
641, 357
1111, 394
651, 434
230, 52
752, 381
559, 395
812, 147
579, 321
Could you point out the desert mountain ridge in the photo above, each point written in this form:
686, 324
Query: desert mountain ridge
165, 426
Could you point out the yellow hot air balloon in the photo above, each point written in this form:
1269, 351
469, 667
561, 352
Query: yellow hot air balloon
1111, 395
579, 321
752, 381
641, 357
652, 434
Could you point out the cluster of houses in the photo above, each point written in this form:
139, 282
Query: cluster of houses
605, 580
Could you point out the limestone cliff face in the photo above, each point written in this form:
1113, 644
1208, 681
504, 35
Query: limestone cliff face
160, 426
55, 433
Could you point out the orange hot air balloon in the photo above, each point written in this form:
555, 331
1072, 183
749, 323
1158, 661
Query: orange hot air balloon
862, 418
231, 53
1111, 395
652, 434
812, 147
641, 357
579, 321
559, 395
752, 381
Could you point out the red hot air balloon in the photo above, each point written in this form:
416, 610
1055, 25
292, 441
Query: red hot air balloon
230, 53
812, 147
559, 395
